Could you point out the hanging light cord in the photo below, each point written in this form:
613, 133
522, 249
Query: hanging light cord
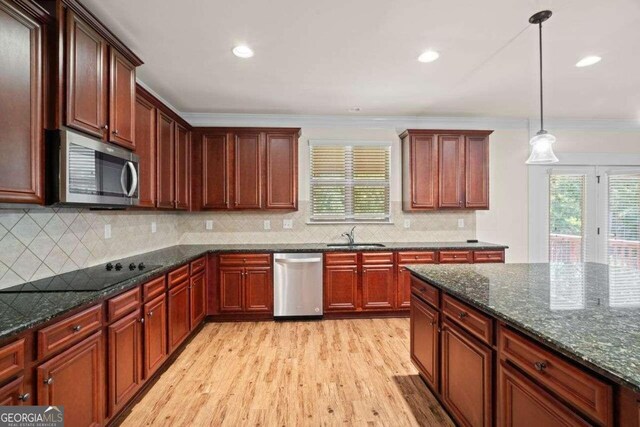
541, 96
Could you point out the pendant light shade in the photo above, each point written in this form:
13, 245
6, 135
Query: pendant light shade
542, 143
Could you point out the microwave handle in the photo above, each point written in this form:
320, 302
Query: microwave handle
123, 179
134, 174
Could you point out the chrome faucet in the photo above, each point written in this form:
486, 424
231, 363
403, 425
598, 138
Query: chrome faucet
349, 235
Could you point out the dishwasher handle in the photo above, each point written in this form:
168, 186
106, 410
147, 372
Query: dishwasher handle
299, 260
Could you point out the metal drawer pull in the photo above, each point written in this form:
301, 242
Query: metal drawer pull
462, 314
150, 313
77, 328
48, 381
540, 366
141, 320
24, 397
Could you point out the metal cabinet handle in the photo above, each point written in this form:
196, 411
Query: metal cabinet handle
115, 131
24, 397
141, 320
48, 381
540, 366
105, 127
150, 313
462, 314
77, 328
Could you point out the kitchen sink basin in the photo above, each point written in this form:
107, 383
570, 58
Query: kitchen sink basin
356, 245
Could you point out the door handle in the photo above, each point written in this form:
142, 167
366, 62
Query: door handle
134, 174
298, 261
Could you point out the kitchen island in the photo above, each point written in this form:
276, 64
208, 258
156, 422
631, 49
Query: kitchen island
538, 343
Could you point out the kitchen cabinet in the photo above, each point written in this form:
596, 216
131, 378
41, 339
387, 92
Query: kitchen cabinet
155, 334
466, 370
21, 104
246, 284
340, 286
122, 101
165, 186
246, 169
198, 298
445, 169
258, 289
125, 359
403, 300
231, 289
179, 314
378, 282
183, 177
146, 151
13, 393
75, 379
425, 341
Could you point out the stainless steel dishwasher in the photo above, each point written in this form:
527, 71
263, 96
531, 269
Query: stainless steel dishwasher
297, 285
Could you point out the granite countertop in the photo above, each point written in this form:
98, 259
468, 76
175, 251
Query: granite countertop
20, 311
588, 312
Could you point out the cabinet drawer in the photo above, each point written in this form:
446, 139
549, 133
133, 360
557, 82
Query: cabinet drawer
488, 256
377, 258
425, 291
154, 288
198, 265
341, 258
11, 359
416, 257
178, 275
246, 259
68, 331
457, 257
470, 319
577, 387
122, 304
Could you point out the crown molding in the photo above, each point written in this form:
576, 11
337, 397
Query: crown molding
159, 97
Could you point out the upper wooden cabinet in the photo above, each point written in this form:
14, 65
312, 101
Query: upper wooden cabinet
182, 175
145, 137
445, 169
21, 103
165, 195
245, 168
122, 101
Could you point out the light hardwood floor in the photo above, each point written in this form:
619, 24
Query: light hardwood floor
330, 372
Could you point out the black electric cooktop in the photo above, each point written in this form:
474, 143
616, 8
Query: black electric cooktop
85, 280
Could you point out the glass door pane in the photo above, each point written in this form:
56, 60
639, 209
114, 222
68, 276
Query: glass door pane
567, 209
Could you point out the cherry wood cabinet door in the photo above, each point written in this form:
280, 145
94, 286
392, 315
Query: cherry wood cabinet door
86, 78
425, 341
165, 186
146, 151
183, 178
122, 101
231, 289
466, 377
215, 171
451, 171
179, 315
155, 334
125, 360
477, 172
21, 107
523, 403
198, 298
248, 171
341, 288
258, 289
282, 171
75, 379
403, 291
421, 153
13, 394
378, 287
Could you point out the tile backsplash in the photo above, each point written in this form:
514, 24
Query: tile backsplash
37, 243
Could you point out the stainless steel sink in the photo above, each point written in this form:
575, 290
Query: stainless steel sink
356, 245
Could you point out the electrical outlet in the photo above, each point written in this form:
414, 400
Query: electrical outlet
107, 231
267, 224
287, 224
407, 223
208, 224
153, 227
460, 223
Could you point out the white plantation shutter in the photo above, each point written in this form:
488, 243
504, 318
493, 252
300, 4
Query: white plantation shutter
623, 242
350, 181
567, 243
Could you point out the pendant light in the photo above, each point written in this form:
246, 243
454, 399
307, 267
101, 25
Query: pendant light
541, 143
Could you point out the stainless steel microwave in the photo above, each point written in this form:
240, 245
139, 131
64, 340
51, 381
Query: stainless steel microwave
86, 171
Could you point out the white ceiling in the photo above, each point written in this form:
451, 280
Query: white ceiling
324, 57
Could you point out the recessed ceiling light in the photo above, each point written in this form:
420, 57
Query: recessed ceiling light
588, 60
429, 56
243, 51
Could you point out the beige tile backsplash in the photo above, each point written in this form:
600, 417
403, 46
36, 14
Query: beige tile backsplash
37, 243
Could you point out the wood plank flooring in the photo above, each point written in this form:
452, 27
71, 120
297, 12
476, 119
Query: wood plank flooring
330, 372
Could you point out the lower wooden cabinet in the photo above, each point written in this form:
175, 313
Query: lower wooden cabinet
231, 289
179, 315
258, 289
340, 288
466, 387
198, 300
155, 334
425, 341
403, 298
13, 393
125, 359
75, 380
378, 287
523, 403
245, 288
